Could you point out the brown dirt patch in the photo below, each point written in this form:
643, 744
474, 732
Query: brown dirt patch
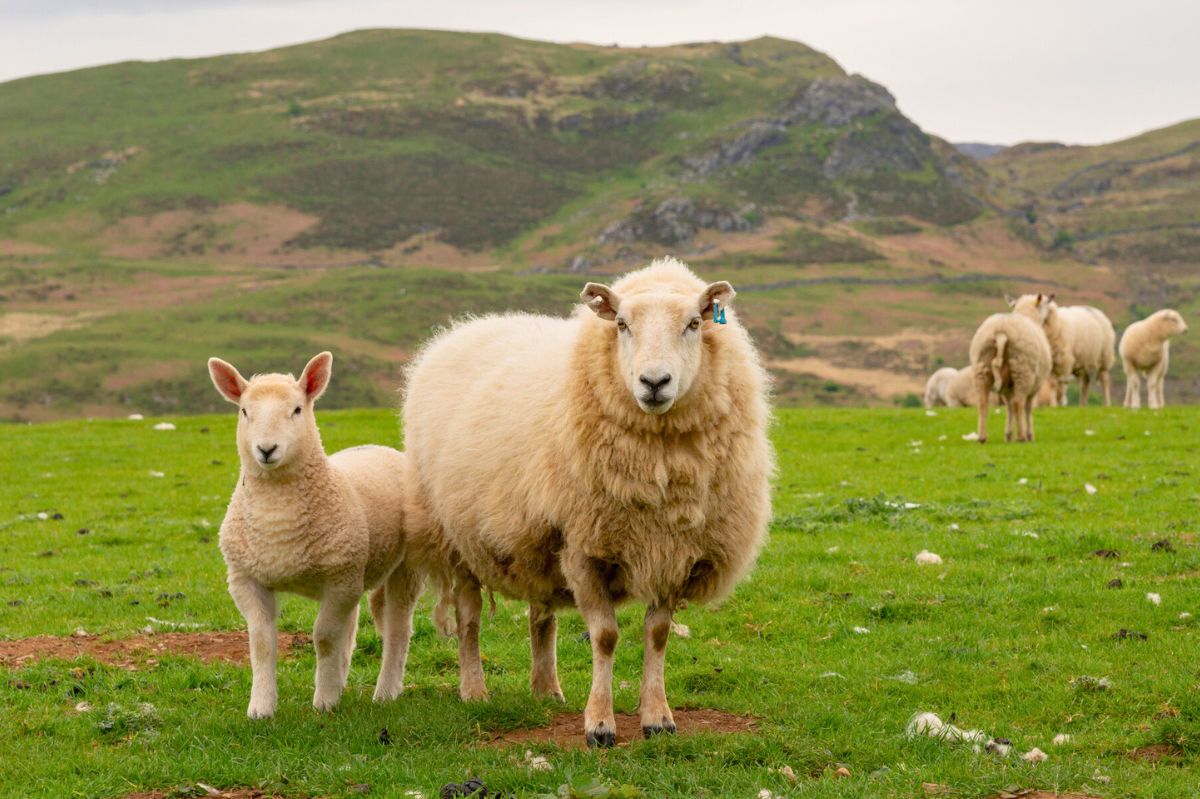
141, 650
19, 327
1154, 753
878, 382
566, 730
232, 793
14, 247
1031, 793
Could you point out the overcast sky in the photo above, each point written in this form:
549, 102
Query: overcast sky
1080, 71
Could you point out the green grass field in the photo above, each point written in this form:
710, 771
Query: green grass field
997, 637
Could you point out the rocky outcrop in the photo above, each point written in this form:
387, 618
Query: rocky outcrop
676, 220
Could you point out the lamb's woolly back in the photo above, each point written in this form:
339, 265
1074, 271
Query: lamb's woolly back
937, 388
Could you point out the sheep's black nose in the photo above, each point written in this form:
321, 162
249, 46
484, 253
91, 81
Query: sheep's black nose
654, 383
267, 451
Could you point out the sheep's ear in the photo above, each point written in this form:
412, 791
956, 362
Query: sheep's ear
315, 376
1050, 298
601, 299
1010, 300
227, 380
720, 292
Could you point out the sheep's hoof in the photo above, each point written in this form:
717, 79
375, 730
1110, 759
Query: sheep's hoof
260, 713
668, 727
601, 739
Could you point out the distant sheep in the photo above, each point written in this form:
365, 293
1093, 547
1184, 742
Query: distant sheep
1048, 394
618, 454
323, 527
950, 387
1081, 341
1145, 347
1010, 355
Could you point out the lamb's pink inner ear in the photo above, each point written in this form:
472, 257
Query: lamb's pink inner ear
601, 299
316, 375
720, 292
227, 379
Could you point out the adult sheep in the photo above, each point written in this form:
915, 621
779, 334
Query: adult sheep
618, 454
1146, 347
1010, 355
1082, 344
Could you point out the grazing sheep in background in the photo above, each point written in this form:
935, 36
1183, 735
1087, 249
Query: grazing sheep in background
621, 453
1048, 394
1010, 355
323, 527
953, 388
1092, 340
1145, 347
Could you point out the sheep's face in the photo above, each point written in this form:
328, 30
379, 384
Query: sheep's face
658, 339
276, 425
1174, 322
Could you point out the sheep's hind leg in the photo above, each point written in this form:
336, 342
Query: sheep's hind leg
400, 594
1133, 388
257, 605
1009, 422
596, 606
1029, 417
1084, 384
1106, 384
983, 391
543, 646
348, 646
339, 610
468, 608
655, 712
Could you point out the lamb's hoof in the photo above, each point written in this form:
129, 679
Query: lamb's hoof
325, 705
387, 694
667, 727
260, 712
601, 738
473, 694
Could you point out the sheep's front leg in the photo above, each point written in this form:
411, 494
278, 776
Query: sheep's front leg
1154, 382
1106, 384
331, 634
596, 606
655, 712
1085, 382
543, 646
394, 619
257, 606
1133, 388
468, 608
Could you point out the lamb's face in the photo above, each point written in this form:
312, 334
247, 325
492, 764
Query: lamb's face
276, 426
1036, 307
274, 422
1174, 322
659, 339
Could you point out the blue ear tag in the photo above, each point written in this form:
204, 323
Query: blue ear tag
718, 312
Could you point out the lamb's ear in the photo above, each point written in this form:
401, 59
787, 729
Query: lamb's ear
1050, 298
601, 299
720, 292
227, 380
315, 376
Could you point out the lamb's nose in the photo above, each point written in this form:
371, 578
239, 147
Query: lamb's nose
267, 451
654, 382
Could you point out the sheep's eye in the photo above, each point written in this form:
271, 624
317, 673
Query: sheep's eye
694, 324
622, 326
245, 414
297, 411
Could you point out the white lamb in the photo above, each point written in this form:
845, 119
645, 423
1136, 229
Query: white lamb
618, 454
327, 528
953, 388
1145, 347
1089, 334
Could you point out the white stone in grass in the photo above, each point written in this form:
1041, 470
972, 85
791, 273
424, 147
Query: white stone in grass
861, 631
1049, 608
136, 417
413, 794
971, 437
831, 551
1035, 755
942, 437
953, 525
915, 444
80, 633
1088, 487
1185, 615
1023, 481
43, 516
1062, 739
83, 707
1145, 432
931, 413
927, 558
1154, 599
164, 426
1089, 432
681, 630
157, 474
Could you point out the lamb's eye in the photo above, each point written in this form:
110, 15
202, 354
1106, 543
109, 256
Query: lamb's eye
694, 324
297, 411
622, 326
245, 414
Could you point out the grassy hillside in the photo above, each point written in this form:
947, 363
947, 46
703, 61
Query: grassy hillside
1002, 637
357, 192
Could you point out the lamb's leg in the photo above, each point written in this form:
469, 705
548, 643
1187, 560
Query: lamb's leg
982, 390
468, 608
655, 712
1029, 417
1158, 376
348, 647
339, 610
1084, 383
1106, 384
257, 605
400, 594
1133, 389
595, 604
543, 645
1011, 408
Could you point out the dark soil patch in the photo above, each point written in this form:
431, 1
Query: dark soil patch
226, 647
1154, 753
566, 730
232, 793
